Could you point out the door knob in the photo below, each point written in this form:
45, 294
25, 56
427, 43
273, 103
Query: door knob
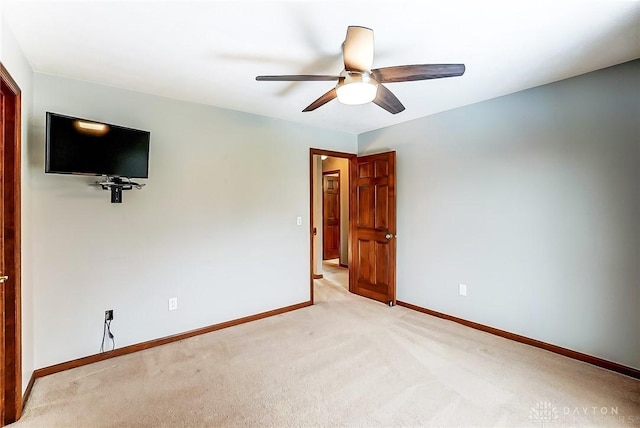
388, 235
3, 278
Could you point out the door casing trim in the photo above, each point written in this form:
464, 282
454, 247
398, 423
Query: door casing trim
11, 359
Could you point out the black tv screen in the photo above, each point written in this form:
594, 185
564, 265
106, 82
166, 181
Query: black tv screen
80, 146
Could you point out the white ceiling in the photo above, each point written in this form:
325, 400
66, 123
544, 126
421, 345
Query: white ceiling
210, 51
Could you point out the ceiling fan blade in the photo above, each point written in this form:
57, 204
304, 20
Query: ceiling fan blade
406, 73
388, 101
297, 78
322, 100
357, 49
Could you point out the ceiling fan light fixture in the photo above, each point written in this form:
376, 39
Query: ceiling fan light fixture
356, 88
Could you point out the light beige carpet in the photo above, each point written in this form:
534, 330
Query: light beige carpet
346, 361
334, 274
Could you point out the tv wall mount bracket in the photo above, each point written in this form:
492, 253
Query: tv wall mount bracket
117, 185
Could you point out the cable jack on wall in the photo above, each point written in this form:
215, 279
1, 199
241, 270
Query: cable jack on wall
106, 331
117, 185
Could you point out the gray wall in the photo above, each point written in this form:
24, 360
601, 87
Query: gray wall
17, 65
215, 226
531, 200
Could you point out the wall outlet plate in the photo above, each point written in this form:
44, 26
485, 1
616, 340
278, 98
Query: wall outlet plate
173, 303
108, 315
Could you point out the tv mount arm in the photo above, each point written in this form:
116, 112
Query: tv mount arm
117, 185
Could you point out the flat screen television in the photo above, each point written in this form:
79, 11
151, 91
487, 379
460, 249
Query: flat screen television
81, 146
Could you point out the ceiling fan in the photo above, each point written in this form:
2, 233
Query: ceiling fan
358, 83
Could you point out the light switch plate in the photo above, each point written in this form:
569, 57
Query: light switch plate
462, 289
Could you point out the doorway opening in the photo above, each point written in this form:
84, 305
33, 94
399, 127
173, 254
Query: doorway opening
368, 211
330, 228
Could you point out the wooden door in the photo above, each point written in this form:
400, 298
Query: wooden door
373, 223
2, 267
10, 344
330, 215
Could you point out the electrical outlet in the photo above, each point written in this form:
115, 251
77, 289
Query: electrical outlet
173, 303
462, 289
108, 315
299, 221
